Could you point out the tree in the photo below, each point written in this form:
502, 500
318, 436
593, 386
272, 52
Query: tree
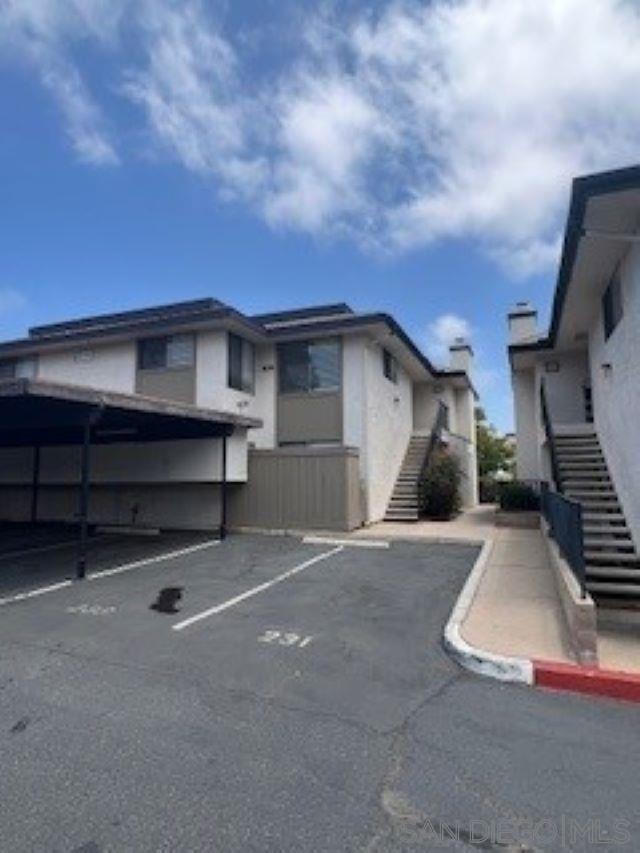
494, 451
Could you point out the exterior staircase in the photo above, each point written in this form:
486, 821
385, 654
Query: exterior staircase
403, 505
612, 563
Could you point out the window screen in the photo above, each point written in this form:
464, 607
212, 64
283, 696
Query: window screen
241, 364
612, 306
306, 366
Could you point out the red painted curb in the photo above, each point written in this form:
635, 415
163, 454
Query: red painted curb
583, 679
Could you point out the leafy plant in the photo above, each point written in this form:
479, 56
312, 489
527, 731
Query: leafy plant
518, 497
440, 489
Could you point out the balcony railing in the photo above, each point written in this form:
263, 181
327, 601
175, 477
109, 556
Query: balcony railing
564, 518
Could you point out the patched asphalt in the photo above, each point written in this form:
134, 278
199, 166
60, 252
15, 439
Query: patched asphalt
320, 714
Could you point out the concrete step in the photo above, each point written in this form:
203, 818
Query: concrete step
606, 588
588, 483
604, 572
400, 516
611, 557
615, 544
604, 517
597, 504
579, 467
605, 530
597, 493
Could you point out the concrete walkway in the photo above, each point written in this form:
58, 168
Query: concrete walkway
473, 525
516, 611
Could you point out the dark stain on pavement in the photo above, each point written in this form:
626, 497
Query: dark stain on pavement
167, 600
20, 726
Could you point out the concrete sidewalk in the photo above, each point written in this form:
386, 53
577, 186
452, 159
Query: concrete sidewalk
516, 611
472, 525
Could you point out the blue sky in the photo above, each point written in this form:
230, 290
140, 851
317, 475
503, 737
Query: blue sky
401, 156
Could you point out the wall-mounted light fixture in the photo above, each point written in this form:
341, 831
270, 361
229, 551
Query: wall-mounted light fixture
552, 367
267, 367
607, 369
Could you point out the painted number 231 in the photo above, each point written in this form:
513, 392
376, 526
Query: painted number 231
284, 639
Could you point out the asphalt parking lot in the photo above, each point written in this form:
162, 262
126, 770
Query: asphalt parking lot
264, 694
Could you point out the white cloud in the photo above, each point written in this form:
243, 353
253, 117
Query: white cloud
10, 300
395, 129
38, 32
442, 332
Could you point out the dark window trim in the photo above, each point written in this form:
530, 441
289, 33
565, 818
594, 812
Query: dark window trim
389, 366
612, 307
249, 389
165, 340
309, 392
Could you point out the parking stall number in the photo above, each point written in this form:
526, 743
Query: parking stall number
285, 638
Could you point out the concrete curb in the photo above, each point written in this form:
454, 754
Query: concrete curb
552, 675
500, 667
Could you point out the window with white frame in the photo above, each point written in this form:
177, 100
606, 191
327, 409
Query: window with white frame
242, 361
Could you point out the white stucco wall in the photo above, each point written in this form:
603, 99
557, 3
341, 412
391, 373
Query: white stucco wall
616, 392
525, 398
212, 389
389, 424
109, 367
564, 388
467, 451
193, 461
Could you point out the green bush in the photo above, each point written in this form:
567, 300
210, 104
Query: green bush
518, 497
440, 489
488, 489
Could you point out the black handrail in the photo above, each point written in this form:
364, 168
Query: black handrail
564, 518
440, 423
550, 437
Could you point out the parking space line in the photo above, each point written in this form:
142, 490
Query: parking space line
226, 605
32, 593
347, 543
40, 549
171, 555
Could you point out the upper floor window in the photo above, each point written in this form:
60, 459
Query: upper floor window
168, 353
389, 366
241, 364
612, 306
18, 368
306, 366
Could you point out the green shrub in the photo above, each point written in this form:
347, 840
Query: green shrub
518, 497
440, 489
488, 489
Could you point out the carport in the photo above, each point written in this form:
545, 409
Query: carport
37, 414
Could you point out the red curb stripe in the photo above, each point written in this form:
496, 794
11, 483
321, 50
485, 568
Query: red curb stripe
590, 680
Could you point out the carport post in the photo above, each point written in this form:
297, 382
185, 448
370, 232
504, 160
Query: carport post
223, 496
35, 484
91, 420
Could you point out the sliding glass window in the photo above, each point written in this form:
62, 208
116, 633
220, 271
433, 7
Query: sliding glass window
308, 366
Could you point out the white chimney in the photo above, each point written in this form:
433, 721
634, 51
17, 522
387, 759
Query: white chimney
461, 355
523, 323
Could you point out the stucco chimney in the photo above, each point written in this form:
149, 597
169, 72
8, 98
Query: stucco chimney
523, 323
461, 355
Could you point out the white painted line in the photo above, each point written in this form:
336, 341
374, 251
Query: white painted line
346, 543
480, 661
22, 596
40, 549
219, 608
170, 555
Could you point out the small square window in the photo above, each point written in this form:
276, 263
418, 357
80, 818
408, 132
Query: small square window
389, 366
612, 306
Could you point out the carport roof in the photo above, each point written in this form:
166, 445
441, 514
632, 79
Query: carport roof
33, 412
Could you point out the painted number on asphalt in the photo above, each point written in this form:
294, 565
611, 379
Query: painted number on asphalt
91, 610
285, 638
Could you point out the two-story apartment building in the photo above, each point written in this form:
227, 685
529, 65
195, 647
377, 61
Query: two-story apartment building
318, 407
577, 386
